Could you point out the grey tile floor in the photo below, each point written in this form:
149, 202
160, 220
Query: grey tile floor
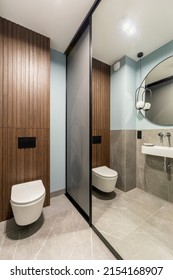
137, 224
60, 233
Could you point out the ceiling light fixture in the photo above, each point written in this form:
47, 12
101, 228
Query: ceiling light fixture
129, 28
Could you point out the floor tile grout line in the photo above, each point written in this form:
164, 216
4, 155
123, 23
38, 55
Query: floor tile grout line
109, 234
151, 214
132, 199
141, 225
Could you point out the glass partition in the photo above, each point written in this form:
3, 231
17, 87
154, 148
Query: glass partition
78, 122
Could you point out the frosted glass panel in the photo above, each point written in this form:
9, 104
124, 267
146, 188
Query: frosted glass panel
78, 122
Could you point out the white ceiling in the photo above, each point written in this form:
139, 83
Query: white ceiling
56, 19
60, 19
153, 21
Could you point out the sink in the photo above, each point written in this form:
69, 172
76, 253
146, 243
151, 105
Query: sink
160, 151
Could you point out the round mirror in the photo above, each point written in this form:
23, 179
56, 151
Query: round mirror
155, 95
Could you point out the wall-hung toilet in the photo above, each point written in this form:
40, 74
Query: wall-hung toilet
104, 178
27, 201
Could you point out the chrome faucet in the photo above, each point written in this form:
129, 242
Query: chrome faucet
168, 134
160, 134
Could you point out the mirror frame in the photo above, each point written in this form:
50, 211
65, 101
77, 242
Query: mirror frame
141, 111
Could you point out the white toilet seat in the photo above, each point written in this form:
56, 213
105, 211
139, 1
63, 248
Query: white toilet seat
104, 178
105, 172
27, 200
26, 193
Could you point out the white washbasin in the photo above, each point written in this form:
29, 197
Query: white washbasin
157, 151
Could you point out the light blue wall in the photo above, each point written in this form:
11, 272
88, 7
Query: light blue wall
147, 63
123, 83
123, 112
57, 120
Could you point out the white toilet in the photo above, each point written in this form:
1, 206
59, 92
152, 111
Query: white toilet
104, 178
27, 201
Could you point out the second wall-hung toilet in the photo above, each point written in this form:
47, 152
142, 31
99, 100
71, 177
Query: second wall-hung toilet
104, 178
27, 201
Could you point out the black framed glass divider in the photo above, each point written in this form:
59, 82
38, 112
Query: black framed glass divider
78, 123
78, 117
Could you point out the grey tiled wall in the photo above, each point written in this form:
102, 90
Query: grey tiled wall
150, 175
138, 170
123, 157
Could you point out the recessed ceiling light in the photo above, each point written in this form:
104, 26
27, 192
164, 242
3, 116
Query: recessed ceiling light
129, 28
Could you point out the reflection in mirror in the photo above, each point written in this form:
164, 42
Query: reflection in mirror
135, 217
160, 82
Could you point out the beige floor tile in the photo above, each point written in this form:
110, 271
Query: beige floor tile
57, 246
24, 250
160, 229
60, 233
119, 221
100, 251
142, 246
112, 239
145, 200
9, 246
137, 224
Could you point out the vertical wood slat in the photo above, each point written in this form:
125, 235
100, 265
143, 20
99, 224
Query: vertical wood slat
101, 112
1, 70
24, 109
19, 95
1, 114
27, 78
14, 75
1, 188
5, 75
9, 168
23, 81
47, 84
4, 172
33, 79
9, 76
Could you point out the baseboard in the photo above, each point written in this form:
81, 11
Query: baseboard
57, 193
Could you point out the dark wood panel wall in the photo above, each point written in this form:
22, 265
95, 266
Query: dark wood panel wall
101, 112
1, 164
24, 109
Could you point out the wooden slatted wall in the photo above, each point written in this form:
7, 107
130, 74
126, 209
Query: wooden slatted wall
101, 112
24, 109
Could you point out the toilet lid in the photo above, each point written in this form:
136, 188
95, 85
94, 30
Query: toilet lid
27, 192
104, 171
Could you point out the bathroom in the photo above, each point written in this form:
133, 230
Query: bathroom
121, 150
136, 221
